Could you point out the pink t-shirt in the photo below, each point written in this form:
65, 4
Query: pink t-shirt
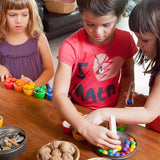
88, 87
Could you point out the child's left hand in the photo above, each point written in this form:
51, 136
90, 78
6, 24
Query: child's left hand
94, 117
26, 79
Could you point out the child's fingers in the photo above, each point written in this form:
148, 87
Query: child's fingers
3, 77
110, 140
107, 144
9, 75
26, 79
22, 76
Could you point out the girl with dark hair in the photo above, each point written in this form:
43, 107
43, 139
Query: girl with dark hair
95, 68
144, 21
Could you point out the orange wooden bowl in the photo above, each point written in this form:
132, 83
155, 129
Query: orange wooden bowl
18, 88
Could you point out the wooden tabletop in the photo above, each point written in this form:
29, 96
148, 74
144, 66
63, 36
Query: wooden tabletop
43, 124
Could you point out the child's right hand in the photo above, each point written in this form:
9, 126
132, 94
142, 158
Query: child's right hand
4, 73
27, 79
101, 137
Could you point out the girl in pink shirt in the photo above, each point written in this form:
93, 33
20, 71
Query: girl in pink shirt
94, 64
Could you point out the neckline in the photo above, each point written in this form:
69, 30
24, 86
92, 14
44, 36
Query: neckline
101, 69
18, 44
94, 44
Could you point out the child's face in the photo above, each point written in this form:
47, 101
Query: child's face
99, 28
17, 20
147, 42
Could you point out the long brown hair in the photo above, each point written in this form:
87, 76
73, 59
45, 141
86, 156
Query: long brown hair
34, 28
145, 17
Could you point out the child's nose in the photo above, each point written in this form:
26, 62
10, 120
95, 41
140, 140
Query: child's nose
138, 43
18, 18
99, 30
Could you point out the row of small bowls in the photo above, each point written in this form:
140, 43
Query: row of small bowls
28, 92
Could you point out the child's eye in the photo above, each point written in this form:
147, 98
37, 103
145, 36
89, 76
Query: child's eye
12, 15
107, 25
144, 40
90, 25
25, 15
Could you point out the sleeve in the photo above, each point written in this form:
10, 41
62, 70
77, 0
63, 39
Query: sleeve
67, 53
132, 48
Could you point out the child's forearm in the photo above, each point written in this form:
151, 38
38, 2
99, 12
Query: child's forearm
44, 78
67, 109
129, 115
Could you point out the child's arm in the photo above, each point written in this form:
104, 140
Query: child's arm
126, 79
4, 73
97, 135
47, 61
131, 115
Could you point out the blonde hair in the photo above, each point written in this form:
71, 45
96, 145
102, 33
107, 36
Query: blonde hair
34, 28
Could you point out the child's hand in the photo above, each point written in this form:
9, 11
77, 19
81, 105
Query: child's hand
26, 79
4, 73
101, 137
94, 117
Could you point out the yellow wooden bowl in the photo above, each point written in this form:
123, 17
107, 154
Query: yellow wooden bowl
1, 121
28, 92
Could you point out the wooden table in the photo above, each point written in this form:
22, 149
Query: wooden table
42, 124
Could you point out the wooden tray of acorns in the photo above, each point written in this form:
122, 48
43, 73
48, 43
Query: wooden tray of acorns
58, 150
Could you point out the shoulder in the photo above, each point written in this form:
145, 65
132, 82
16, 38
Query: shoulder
2, 43
122, 34
125, 43
77, 37
72, 47
124, 38
75, 43
42, 40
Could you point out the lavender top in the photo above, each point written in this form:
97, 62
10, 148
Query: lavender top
22, 59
